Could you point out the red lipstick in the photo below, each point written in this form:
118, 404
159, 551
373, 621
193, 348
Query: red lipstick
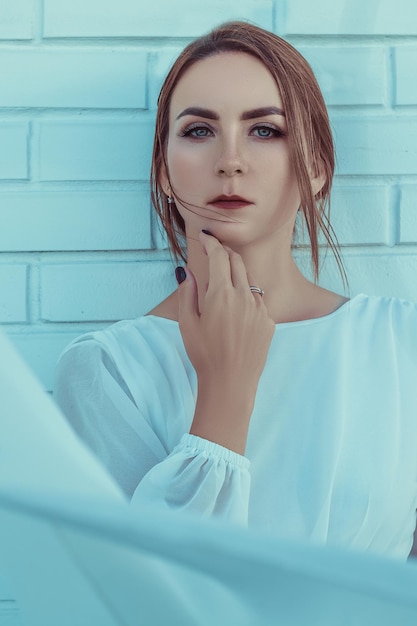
230, 202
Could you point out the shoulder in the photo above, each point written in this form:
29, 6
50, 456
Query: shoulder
167, 309
96, 341
112, 338
384, 306
136, 359
386, 319
145, 343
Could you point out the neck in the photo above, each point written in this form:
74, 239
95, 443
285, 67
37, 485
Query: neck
273, 269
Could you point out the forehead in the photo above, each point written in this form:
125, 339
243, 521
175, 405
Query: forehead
224, 80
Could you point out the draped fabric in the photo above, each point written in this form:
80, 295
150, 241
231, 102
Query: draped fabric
331, 456
77, 552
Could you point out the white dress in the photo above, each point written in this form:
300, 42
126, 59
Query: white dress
68, 531
331, 454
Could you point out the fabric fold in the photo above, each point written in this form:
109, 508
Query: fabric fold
198, 477
331, 453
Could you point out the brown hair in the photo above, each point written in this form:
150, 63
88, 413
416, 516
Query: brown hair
309, 133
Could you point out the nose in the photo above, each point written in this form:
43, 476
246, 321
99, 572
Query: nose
231, 161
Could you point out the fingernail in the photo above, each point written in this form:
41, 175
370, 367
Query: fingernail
180, 274
207, 232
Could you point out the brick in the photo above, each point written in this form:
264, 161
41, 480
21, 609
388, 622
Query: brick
108, 78
103, 291
359, 215
13, 304
408, 214
16, 19
125, 18
159, 65
41, 350
376, 274
405, 69
95, 150
6, 594
13, 150
9, 614
348, 75
376, 145
338, 17
159, 236
81, 220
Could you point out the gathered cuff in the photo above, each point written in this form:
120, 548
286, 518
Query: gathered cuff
210, 449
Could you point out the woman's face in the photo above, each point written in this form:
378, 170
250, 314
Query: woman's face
228, 136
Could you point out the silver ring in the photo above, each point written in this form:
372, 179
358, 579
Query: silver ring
256, 289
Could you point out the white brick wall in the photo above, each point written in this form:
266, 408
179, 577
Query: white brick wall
128, 18
77, 106
349, 74
76, 220
79, 245
16, 19
350, 17
14, 139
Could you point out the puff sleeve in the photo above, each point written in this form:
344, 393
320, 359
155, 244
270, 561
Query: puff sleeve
189, 474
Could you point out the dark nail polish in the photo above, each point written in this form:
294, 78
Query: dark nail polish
206, 231
180, 274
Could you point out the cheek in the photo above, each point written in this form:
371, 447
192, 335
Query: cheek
280, 181
184, 166
290, 189
278, 173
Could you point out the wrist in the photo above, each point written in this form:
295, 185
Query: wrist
222, 414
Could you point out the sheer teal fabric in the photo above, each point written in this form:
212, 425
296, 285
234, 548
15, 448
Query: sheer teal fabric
331, 456
78, 553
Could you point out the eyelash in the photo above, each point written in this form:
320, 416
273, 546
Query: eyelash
187, 131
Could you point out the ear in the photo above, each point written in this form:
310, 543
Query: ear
317, 178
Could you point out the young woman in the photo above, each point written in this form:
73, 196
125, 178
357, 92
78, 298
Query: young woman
251, 393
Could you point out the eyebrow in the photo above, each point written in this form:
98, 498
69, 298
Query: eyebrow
246, 115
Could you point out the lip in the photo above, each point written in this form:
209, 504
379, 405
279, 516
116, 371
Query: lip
230, 202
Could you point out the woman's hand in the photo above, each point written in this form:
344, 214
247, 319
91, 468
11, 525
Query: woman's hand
228, 341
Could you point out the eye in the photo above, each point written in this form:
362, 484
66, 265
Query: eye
196, 131
266, 131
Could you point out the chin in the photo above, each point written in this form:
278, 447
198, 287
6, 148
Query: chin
233, 242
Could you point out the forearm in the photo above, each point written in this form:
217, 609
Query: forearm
222, 414
187, 474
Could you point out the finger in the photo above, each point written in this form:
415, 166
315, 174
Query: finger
241, 277
237, 269
252, 282
218, 261
188, 311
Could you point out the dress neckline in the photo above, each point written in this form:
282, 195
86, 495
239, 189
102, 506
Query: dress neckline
313, 320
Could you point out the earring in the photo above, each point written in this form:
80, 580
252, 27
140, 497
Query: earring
170, 200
